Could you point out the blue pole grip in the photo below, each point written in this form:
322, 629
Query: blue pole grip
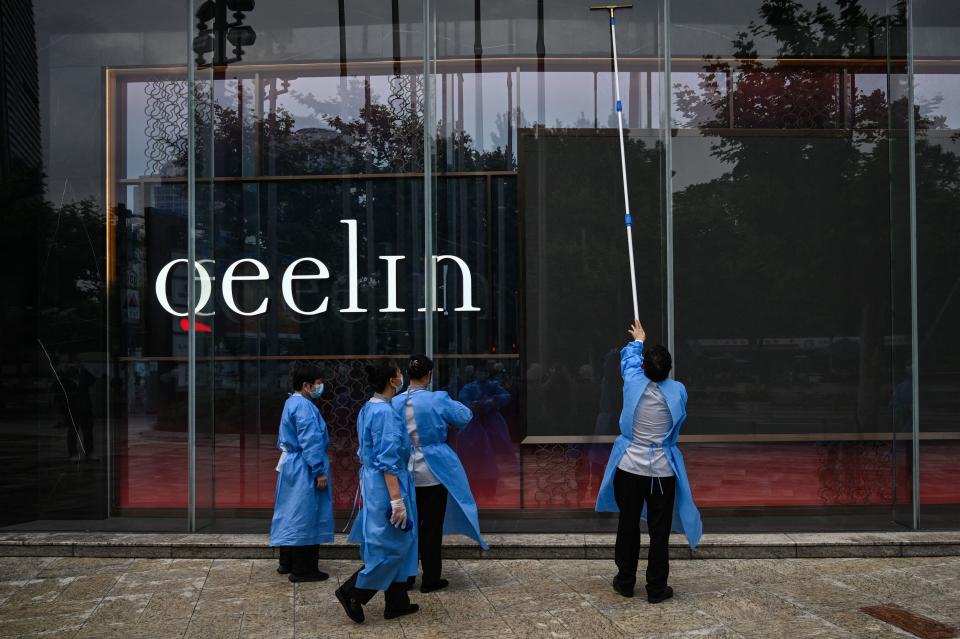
619, 105
628, 219
613, 20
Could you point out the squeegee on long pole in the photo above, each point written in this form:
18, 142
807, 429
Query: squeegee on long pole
623, 156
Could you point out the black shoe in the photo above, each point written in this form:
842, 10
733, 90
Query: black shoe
623, 590
310, 576
439, 584
393, 614
663, 596
350, 606
283, 570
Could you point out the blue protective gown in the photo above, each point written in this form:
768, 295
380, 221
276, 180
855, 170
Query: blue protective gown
491, 454
389, 554
302, 515
686, 517
434, 412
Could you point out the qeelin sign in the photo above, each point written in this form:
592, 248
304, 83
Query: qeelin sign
303, 269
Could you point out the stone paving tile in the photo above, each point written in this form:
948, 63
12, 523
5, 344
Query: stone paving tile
538, 625
465, 607
59, 624
85, 587
73, 566
35, 591
81, 598
586, 622
170, 605
859, 624
14, 568
266, 626
166, 630
57, 607
214, 626
124, 609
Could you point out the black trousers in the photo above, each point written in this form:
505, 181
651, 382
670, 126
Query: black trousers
631, 492
395, 597
300, 560
431, 509
286, 558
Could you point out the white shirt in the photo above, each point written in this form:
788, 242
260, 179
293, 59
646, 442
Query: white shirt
651, 423
422, 476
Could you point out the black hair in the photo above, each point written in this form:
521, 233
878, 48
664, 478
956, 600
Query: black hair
419, 366
304, 373
657, 363
380, 372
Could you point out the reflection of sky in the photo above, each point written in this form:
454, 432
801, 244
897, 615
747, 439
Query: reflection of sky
136, 129
569, 102
939, 95
689, 80
312, 100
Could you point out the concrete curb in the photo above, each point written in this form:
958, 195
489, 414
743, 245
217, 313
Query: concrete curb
516, 546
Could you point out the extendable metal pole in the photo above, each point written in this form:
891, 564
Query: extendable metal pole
623, 156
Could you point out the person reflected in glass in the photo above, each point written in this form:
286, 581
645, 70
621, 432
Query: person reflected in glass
645, 476
303, 504
902, 401
607, 421
489, 452
386, 524
73, 392
444, 501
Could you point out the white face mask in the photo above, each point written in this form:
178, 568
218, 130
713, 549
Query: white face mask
398, 385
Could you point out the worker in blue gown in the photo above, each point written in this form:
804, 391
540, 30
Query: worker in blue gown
303, 504
645, 476
386, 525
445, 504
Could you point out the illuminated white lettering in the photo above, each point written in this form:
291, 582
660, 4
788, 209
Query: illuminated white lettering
319, 272
227, 286
160, 287
391, 261
286, 284
353, 268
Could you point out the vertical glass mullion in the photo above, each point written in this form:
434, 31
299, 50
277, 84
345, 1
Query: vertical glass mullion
666, 132
191, 280
914, 330
429, 149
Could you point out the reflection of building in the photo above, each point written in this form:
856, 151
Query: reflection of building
169, 198
20, 192
19, 88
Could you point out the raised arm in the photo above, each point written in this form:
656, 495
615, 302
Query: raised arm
631, 357
452, 411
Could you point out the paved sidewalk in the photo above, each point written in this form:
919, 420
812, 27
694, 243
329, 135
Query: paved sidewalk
565, 598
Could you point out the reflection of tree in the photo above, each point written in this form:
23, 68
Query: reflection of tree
380, 137
70, 291
803, 221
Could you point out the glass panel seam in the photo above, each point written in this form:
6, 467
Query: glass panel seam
914, 314
666, 126
191, 284
429, 265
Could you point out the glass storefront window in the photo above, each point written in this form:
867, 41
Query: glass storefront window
793, 173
